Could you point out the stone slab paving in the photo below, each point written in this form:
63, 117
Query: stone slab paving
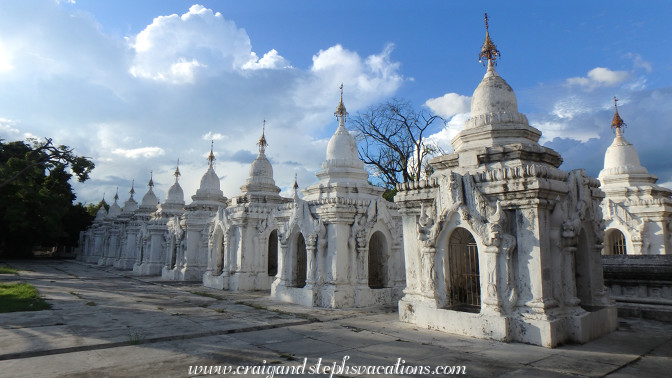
105, 322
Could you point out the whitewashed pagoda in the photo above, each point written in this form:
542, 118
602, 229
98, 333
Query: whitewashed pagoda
243, 243
340, 246
499, 242
189, 238
638, 213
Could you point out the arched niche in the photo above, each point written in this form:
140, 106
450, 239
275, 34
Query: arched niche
299, 262
461, 272
614, 242
378, 260
272, 255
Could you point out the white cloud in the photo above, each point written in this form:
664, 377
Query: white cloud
598, 77
146, 152
82, 82
569, 107
213, 136
7, 128
639, 62
551, 130
365, 80
177, 48
449, 105
270, 60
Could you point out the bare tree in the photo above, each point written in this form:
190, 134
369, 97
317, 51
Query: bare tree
392, 141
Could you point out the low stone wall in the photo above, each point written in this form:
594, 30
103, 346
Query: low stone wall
641, 285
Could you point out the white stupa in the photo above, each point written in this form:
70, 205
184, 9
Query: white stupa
637, 212
343, 173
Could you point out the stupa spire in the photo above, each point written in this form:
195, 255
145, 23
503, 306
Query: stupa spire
132, 191
151, 179
211, 157
296, 187
340, 112
177, 170
617, 122
116, 195
262, 141
489, 50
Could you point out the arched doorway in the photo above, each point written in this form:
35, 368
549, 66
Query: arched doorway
218, 254
173, 252
300, 262
273, 253
463, 281
377, 260
615, 243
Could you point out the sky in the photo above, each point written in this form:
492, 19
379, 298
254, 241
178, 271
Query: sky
137, 85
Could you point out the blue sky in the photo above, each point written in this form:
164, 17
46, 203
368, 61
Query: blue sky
137, 84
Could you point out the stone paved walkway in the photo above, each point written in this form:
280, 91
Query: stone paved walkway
105, 322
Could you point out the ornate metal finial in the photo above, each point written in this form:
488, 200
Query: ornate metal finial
489, 50
151, 179
116, 195
211, 157
177, 170
103, 200
340, 112
132, 191
617, 122
296, 187
262, 141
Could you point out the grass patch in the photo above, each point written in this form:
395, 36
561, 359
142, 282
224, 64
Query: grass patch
4, 269
73, 275
206, 294
91, 303
20, 296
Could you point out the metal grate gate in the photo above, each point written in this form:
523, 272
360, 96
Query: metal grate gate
618, 243
464, 289
300, 271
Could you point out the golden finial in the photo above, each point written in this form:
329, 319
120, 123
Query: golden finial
340, 112
132, 191
489, 50
151, 179
211, 157
617, 122
296, 187
262, 141
116, 195
177, 170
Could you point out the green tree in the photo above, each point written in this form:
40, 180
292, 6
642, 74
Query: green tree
36, 199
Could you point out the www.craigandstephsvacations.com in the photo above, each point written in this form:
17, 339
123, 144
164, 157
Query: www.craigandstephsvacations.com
327, 369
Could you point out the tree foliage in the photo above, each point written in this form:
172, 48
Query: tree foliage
392, 142
36, 199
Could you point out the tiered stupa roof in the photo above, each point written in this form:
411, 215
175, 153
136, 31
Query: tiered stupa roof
209, 192
115, 210
130, 206
260, 185
343, 173
149, 200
